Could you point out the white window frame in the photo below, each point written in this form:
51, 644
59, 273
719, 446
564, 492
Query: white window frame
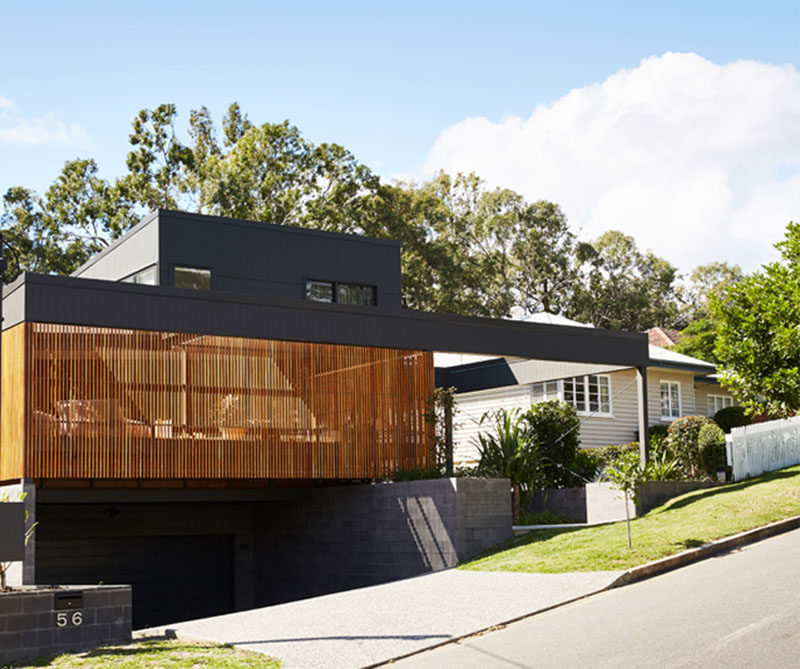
724, 398
668, 382
583, 381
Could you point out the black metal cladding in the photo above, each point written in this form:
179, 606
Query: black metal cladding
67, 300
250, 257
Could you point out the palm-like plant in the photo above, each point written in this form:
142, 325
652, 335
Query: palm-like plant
509, 451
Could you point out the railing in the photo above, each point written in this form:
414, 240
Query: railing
764, 447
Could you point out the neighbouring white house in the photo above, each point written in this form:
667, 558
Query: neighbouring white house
605, 396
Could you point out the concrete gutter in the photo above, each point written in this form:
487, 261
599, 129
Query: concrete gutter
707, 550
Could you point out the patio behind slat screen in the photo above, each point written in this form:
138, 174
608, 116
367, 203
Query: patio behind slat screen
111, 403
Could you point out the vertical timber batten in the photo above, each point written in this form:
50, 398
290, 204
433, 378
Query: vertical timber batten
134, 404
12, 406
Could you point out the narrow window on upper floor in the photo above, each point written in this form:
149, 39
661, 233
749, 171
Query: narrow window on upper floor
192, 277
319, 291
351, 293
146, 276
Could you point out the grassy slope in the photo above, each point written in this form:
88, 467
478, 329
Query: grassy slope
684, 522
160, 653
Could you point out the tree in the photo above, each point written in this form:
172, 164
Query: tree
758, 344
627, 475
624, 288
706, 282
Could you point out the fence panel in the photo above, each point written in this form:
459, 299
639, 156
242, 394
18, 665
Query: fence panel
765, 447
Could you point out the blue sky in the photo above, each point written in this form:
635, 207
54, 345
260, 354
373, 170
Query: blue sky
383, 79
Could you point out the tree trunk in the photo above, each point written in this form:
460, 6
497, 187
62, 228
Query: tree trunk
515, 501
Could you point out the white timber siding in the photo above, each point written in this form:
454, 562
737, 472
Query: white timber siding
701, 393
470, 407
619, 428
654, 377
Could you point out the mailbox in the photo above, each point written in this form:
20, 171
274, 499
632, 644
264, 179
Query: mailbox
72, 599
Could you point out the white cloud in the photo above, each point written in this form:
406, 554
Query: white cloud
15, 129
697, 161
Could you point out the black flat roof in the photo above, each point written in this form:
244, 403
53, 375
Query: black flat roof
90, 302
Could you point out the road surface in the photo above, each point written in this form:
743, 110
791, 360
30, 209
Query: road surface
740, 609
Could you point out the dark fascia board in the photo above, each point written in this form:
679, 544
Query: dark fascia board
683, 367
91, 302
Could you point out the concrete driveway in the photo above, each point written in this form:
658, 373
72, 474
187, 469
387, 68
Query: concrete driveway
369, 626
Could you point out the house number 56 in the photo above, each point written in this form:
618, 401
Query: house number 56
63, 618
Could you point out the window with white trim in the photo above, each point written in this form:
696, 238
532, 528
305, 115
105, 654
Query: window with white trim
549, 390
717, 402
670, 399
589, 394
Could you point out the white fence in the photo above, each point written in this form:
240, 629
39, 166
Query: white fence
764, 447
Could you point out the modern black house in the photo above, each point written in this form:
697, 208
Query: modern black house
178, 408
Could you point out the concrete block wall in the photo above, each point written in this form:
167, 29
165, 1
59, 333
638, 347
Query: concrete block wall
353, 536
31, 626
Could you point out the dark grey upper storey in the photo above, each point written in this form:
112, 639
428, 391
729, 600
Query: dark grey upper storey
75, 301
249, 257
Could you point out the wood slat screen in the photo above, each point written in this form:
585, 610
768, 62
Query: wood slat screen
12, 414
111, 403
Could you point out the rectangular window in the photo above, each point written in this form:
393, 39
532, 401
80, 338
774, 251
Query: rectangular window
548, 390
351, 293
670, 399
319, 291
146, 276
589, 394
193, 278
717, 402
343, 293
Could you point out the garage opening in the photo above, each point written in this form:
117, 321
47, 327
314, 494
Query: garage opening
174, 578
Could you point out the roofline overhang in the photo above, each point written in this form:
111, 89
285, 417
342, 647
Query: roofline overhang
95, 303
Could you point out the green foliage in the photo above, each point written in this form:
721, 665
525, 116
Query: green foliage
439, 407
627, 474
731, 417
586, 466
682, 441
508, 450
698, 340
553, 427
759, 334
625, 288
604, 456
711, 447
545, 518
417, 474
662, 466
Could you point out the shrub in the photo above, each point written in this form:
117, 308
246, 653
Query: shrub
553, 427
586, 466
509, 451
711, 445
663, 466
682, 441
417, 474
731, 417
603, 456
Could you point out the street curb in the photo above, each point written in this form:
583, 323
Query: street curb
705, 551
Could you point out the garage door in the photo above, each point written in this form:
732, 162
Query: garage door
174, 578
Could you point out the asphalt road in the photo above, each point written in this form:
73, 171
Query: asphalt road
741, 609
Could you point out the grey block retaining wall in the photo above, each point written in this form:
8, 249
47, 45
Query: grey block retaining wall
32, 626
355, 536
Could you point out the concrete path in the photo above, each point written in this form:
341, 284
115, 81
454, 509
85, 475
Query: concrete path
364, 627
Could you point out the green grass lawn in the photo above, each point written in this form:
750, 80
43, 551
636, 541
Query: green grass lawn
683, 522
161, 653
